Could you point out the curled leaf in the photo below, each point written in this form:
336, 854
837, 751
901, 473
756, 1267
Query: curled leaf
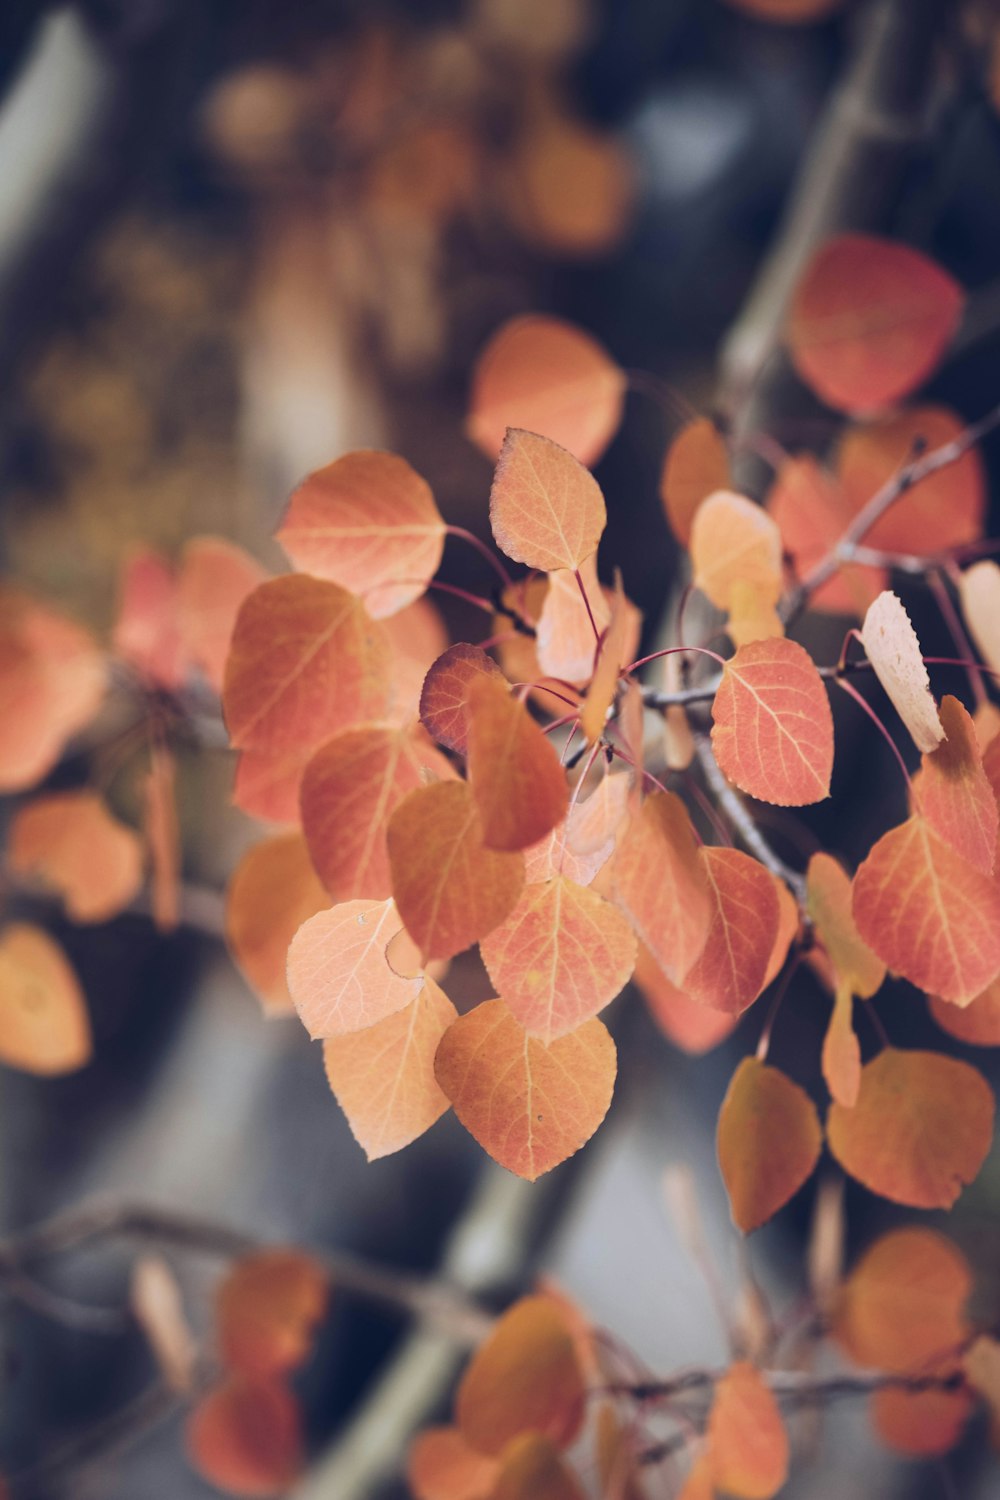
891, 646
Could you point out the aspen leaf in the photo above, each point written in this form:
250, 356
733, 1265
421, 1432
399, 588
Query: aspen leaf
531, 1469
977, 1024
753, 615
267, 1308
769, 1140
529, 1105
744, 921
522, 602
163, 837
518, 785
772, 729
747, 1441
902, 1307
891, 646
560, 957
147, 631
156, 1303
338, 975
612, 658
417, 637
841, 1057
383, 1077
444, 699
543, 374
272, 891
266, 785
552, 856
979, 590
368, 522
928, 914
788, 926
451, 890
920, 1130
696, 466
734, 541
662, 883
812, 513
71, 842
306, 660
525, 1377
953, 791
350, 789
442, 1466
546, 509
565, 635
44, 1027
870, 319
920, 1424
213, 579
245, 1437
828, 902
692, 1027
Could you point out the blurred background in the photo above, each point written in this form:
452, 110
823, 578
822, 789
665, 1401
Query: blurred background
238, 238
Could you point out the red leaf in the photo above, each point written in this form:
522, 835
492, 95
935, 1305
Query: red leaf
245, 1437
772, 728
444, 698
953, 791
745, 917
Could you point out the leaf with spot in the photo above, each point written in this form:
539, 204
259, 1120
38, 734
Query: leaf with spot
772, 729
338, 974
546, 509
768, 1141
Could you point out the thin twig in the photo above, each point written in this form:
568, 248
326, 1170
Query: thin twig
739, 815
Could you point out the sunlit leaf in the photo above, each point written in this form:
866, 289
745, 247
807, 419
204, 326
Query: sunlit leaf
444, 699
953, 791
545, 375
744, 921
451, 890
769, 1140
696, 465
147, 631
546, 509
267, 1308
213, 579
245, 1437
529, 1105
691, 1026
560, 957
338, 975
442, 1466
734, 542
903, 1305
920, 1130
870, 320
71, 842
662, 883
44, 1027
772, 729
518, 785
272, 891
368, 522
383, 1077
747, 1441
525, 1377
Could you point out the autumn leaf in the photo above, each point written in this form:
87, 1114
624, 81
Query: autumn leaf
367, 522
565, 639
266, 785
532, 1470
443, 1466
902, 1307
541, 373
444, 699
272, 891
529, 1105
692, 1027
213, 579
267, 1309
72, 843
747, 1442
44, 1027
928, 914
157, 1304
546, 509
612, 658
383, 1077
744, 920
870, 320
734, 542
518, 784
581, 845
772, 729
920, 1130
753, 615
812, 513
977, 1023
417, 636
841, 1056
525, 1377
568, 187
662, 883
245, 1437
696, 466
451, 890
953, 792
560, 957
828, 902
769, 1140
789, 920
338, 975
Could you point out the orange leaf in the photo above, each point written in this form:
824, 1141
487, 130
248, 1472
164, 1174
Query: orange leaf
734, 542
788, 926
214, 578
529, 1105
517, 782
546, 509
266, 785
692, 1027
525, 1377
273, 890
772, 729
245, 1437
565, 641
560, 957
267, 1308
769, 1139
920, 1424
828, 902
545, 375
444, 698
920, 1130
450, 888
928, 914
72, 843
383, 1077
977, 1023
582, 844
696, 465
612, 657
442, 1466
841, 1057
812, 512
350, 789
902, 1308
747, 1441
338, 974
306, 660
953, 791
745, 918
163, 837
753, 615
44, 1027
979, 590
662, 883
417, 637
532, 1470
368, 522
147, 632
870, 320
